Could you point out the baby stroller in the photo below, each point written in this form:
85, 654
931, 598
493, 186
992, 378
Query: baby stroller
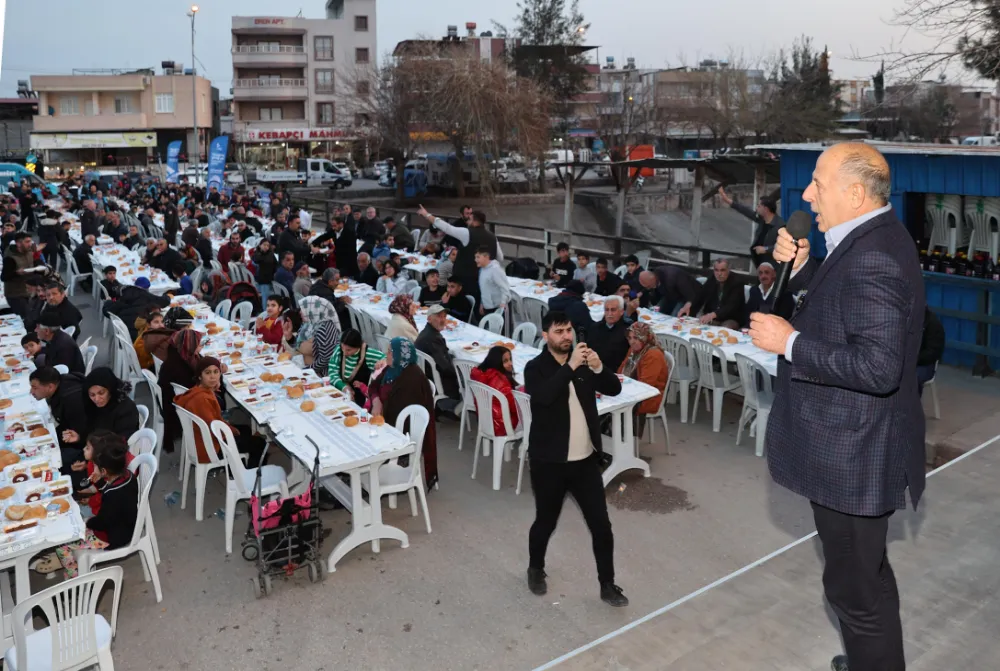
285, 535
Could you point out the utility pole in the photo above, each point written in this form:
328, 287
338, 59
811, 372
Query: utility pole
194, 102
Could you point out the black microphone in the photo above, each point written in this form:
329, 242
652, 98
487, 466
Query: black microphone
799, 226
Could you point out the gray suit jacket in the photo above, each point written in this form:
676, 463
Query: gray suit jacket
847, 428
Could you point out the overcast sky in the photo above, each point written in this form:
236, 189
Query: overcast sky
55, 36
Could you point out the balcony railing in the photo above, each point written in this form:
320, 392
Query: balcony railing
268, 49
269, 83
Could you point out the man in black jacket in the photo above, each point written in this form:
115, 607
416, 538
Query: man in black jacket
768, 225
60, 348
64, 395
59, 311
566, 448
609, 337
133, 303
366, 272
722, 300
607, 281
291, 240
432, 343
88, 220
164, 257
666, 287
345, 247
325, 287
204, 248
571, 302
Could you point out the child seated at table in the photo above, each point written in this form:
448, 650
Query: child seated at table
90, 494
270, 327
33, 349
152, 319
113, 525
432, 291
111, 283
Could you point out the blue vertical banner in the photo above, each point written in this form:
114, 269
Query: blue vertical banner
173, 152
217, 161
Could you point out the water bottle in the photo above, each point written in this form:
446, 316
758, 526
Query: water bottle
172, 498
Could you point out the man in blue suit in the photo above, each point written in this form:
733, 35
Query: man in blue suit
847, 428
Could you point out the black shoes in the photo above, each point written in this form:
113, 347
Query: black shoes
536, 581
611, 594
839, 663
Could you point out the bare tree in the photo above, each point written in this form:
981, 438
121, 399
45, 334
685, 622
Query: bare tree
957, 32
481, 107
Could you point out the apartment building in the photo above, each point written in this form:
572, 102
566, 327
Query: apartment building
852, 93
114, 117
295, 81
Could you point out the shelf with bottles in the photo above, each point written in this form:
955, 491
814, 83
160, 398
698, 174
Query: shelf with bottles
979, 266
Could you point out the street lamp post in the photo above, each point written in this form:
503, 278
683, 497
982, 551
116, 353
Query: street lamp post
194, 102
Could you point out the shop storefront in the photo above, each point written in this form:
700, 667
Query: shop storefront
280, 148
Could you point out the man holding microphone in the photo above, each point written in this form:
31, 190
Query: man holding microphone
565, 448
847, 429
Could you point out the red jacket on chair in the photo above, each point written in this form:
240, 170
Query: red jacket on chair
493, 378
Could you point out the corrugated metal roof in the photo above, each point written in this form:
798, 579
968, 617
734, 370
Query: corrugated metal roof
893, 148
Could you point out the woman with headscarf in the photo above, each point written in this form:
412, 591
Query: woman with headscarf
178, 368
402, 383
646, 363
318, 335
202, 401
109, 408
497, 371
401, 324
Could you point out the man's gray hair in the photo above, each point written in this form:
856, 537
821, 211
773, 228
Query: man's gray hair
615, 299
330, 274
872, 174
364, 255
720, 260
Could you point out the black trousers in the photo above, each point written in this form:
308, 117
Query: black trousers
550, 483
861, 588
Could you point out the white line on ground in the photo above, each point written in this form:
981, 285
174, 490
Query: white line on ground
721, 581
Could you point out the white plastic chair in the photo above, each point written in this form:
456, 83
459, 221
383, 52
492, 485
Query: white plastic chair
277, 288
223, 308
430, 368
526, 334
463, 370
70, 331
661, 413
242, 313
83, 637
144, 468
757, 400
535, 310
383, 343
131, 370
395, 479
709, 379
241, 480
142, 441
492, 323
189, 424
524, 410
931, 385
84, 344
73, 274
89, 357
683, 373
484, 397
157, 410
157, 362
62, 368
143, 414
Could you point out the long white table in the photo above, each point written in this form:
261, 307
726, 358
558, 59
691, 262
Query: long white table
357, 451
471, 343
17, 548
661, 324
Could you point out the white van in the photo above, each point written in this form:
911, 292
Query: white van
981, 141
